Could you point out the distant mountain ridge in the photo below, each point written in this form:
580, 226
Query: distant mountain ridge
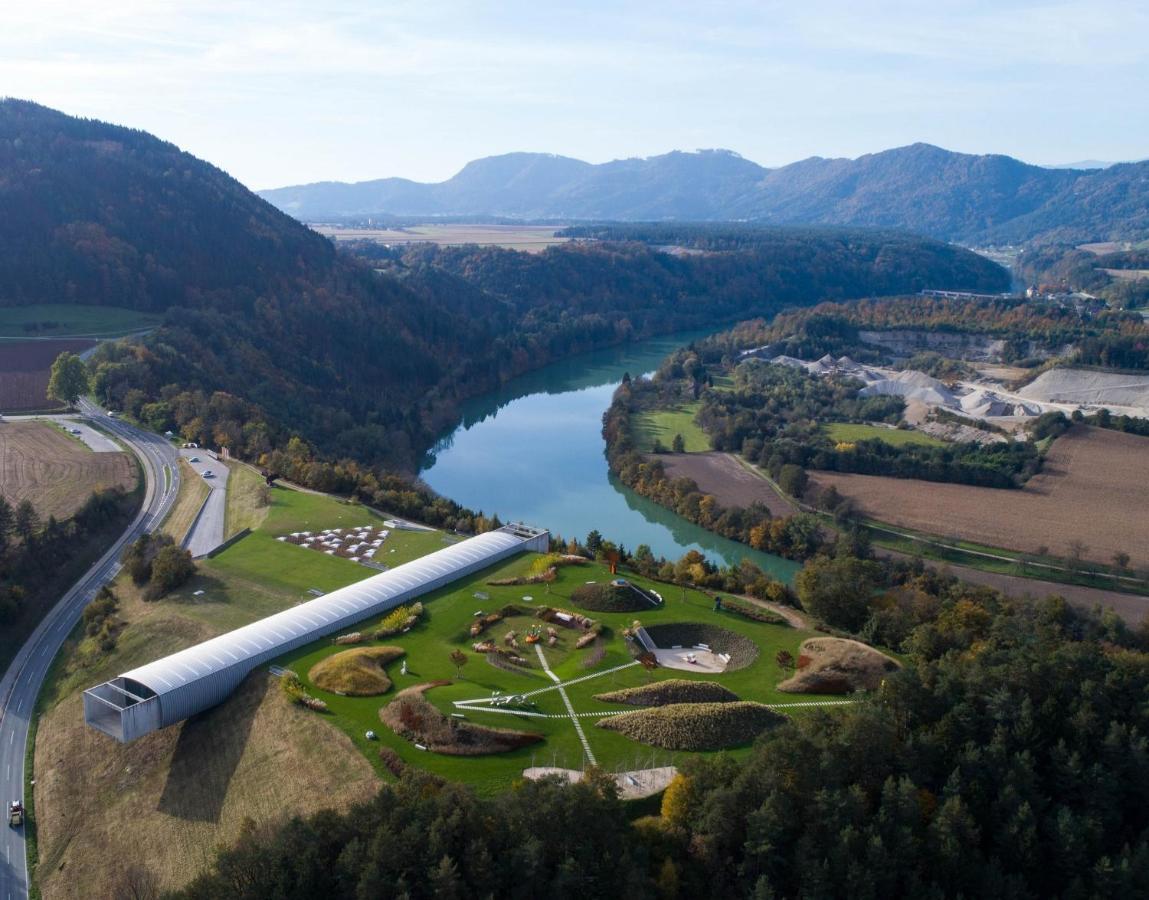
922, 188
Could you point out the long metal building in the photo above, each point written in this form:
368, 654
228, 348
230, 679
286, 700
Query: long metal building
171, 689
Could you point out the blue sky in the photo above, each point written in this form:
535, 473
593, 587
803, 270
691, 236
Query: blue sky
282, 93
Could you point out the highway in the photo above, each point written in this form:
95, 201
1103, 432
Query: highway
21, 683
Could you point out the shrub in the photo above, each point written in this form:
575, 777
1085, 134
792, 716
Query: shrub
399, 620
695, 726
672, 690
171, 568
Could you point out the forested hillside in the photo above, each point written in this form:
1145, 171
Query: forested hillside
365, 359
987, 198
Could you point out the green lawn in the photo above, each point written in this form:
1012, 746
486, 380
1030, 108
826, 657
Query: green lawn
450, 611
664, 424
62, 320
296, 570
851, 433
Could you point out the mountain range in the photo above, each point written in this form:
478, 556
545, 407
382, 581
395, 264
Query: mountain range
953, 196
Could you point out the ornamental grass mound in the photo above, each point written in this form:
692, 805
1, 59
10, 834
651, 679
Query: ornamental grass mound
415, 718
611, 598
695, 726
741, 650
356, 673
829, 665
672, 690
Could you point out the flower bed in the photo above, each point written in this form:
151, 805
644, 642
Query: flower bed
414, 718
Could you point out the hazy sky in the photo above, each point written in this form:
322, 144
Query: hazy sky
281, 93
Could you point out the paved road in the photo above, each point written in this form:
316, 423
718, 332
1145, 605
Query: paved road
206, 532
21, 683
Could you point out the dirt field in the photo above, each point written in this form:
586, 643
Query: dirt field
40, 463
24, 368
169, 799
1094, 488
720, 474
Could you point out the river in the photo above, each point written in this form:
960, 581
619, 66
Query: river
533, 452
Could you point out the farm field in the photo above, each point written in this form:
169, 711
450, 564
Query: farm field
66, 320
1094, 488
897, 437
39, 462
24, 370
533, 238
663, 424
731, 483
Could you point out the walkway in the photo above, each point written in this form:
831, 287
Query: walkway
567, 703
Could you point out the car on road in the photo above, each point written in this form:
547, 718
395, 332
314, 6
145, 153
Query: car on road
208, 473
111, 414
76, 431
16, 814
194, 459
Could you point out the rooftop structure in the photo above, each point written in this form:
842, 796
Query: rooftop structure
192, 680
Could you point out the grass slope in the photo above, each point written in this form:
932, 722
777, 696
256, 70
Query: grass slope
64, 320
852, 433
664, 424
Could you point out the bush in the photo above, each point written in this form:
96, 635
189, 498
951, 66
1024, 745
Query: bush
695, 726
357, 673
413, 717
670, 691
399, 620
171, 568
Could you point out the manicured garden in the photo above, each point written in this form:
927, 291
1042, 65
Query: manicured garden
447, 627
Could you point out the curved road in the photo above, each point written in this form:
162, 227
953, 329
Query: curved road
21, 683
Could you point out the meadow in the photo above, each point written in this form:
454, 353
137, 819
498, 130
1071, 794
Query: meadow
66, 320
848, 432
663, 424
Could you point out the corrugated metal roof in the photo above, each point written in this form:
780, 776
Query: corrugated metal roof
171, 672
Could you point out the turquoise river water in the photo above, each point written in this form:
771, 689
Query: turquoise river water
533, 452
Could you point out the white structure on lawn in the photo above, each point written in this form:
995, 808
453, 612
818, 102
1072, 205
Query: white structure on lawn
171, 689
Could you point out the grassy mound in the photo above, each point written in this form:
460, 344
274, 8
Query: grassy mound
695, 726
612, 598
413, 717
742, 650
356, 673
672, 690
829, 665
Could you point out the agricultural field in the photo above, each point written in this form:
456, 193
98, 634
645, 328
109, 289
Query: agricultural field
1093, 488
532, 238
731, 482
173, 796
846, 432
663, 424
57, 472
65, 320
24, 371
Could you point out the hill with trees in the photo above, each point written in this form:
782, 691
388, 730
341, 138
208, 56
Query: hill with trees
987, 198
267, 332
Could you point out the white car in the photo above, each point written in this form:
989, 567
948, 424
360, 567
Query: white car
208, 473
